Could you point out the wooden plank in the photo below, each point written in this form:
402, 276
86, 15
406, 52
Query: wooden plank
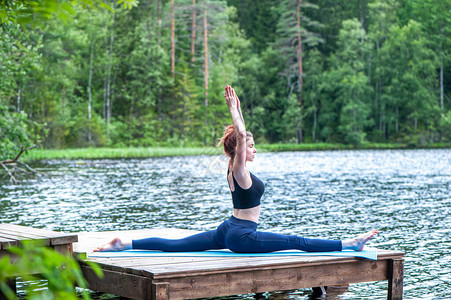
56, 238
164, 271
21, 231
19, 238
203, 265
395, 279
167, 261
162, 266
117, 283
258, 281
150, 259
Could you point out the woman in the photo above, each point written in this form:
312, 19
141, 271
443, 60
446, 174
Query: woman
239, 233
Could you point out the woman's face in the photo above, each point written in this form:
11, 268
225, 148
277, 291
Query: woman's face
250, 149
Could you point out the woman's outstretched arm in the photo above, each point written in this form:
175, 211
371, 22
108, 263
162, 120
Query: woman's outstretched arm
233, 104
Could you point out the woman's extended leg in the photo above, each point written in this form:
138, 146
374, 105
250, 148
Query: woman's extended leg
258, 241
198, 242
243, 236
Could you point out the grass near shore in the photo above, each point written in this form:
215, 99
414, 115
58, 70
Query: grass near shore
100, 153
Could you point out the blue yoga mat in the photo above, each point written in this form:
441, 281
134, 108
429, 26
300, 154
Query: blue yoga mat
366, 253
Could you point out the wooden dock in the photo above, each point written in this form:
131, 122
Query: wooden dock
14, 235
197, 277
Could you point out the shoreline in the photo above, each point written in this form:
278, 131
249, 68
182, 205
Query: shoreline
143, 152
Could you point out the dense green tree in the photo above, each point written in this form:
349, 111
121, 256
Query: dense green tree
351, 86
409, 67
322, 70
313, 90
381, 18
258, 19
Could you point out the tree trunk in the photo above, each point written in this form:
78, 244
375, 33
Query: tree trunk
441, 70
299, 50
172, 40
110, 63
193, 31
397, 119
381, 117
110, 111
63, 98
148, 19
362, 19
18, 97
90, 93
106, 71
205, 55
314, 124
441, 86
159, 21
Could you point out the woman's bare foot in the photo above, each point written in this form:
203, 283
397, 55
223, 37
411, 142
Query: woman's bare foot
115, 245
359, 242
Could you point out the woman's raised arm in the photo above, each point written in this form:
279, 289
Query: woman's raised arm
233, 103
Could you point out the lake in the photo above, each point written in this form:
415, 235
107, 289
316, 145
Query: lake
406, 194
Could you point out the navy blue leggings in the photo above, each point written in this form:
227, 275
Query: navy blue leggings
239, 236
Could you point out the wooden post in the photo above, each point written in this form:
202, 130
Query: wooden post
64, 248
395, 278
160, 291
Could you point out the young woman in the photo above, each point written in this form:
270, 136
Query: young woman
239, 233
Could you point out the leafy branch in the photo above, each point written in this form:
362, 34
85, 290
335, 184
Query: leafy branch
62, 272
15, 165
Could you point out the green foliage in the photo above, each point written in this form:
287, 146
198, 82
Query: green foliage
371, 71
99, 153
15, 131
444, 127
350, 83
34, 262
38, 12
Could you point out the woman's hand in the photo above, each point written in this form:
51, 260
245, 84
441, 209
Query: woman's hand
231, 98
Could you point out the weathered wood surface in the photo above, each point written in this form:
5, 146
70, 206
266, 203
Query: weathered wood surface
13, 235
195, 277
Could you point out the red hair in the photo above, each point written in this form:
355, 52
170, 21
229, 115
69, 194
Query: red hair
229, 141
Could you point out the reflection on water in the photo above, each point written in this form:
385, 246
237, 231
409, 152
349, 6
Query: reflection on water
405, 194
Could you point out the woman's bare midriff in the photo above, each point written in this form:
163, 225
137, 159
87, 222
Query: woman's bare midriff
250, 214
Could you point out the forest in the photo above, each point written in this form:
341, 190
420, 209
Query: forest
152, 73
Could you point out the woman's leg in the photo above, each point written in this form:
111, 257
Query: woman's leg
258, 241
242, 236
213, 239
198, 242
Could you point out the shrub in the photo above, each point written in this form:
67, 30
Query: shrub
33, 262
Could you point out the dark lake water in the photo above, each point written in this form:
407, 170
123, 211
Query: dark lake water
406, 194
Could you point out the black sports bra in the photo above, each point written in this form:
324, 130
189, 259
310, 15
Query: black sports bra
247, 198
